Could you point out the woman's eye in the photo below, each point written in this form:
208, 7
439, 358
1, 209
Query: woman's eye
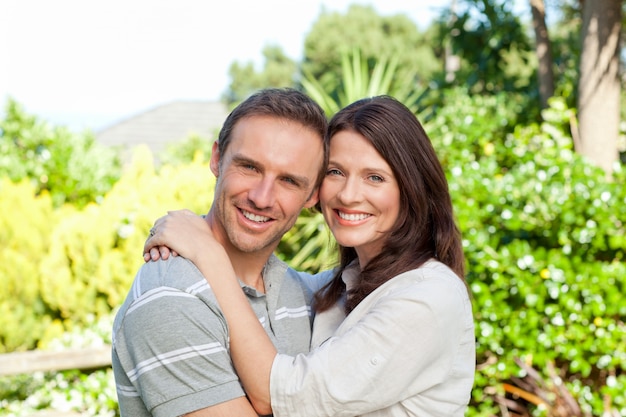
376, 178
333, 172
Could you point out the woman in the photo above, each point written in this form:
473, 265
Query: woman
393, 332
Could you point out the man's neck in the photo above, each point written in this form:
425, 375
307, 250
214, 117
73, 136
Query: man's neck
248, 266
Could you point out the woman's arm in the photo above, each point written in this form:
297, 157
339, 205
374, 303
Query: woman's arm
251, 349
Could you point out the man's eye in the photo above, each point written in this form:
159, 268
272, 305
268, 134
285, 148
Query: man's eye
333, 172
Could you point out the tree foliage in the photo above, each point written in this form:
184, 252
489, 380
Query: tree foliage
278, 71
25, 223
493, 45
376, 37
358, 80
332, 37
187, 150
73, 168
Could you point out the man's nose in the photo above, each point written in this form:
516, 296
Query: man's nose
262, 194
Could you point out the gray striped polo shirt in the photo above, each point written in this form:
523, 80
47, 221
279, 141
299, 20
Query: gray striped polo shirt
170, 340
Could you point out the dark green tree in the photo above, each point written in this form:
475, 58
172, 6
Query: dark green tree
333, 36
493, 46
376, 37
278, 71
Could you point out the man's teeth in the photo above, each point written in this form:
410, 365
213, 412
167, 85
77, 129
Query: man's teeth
353, 217
254, 217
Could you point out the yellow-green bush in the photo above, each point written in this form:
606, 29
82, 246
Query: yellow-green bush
25, 226
62, 265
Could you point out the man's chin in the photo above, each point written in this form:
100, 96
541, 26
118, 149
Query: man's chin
252, 245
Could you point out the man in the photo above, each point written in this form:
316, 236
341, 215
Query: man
170, 340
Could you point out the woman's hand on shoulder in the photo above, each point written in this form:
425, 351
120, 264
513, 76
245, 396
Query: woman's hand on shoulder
178, 232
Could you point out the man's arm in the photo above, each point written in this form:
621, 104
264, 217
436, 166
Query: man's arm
239, 407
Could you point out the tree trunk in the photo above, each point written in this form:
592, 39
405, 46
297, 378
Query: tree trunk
544, 52
599, 85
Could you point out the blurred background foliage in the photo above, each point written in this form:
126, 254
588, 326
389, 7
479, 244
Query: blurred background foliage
543, 224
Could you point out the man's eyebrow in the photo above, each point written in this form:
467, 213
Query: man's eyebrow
304, 181
240, 159
300, 179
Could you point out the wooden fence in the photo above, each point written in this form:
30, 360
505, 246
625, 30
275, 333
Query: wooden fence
16, 363
32, 361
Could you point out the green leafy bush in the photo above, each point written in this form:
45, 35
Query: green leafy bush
544, 237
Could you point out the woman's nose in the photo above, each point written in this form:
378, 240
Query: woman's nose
350, 192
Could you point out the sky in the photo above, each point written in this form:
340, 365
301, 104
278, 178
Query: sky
87, 64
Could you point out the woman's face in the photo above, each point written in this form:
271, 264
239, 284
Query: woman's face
360, 197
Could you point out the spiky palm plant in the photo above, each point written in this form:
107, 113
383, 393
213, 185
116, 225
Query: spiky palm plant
359, 82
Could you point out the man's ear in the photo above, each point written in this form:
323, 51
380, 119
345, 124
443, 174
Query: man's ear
215, 159
313, 199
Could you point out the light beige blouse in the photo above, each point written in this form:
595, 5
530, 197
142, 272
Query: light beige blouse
408, 349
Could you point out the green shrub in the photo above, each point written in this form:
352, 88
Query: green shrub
544, 238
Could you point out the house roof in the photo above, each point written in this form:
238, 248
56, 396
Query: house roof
166, 124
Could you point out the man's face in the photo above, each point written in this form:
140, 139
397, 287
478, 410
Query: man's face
264, 178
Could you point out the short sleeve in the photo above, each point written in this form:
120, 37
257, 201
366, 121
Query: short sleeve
171, 344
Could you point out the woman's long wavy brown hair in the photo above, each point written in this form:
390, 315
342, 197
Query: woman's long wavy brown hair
425, 227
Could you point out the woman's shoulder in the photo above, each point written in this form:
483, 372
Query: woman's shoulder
438, 285
431, 281
431, 270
